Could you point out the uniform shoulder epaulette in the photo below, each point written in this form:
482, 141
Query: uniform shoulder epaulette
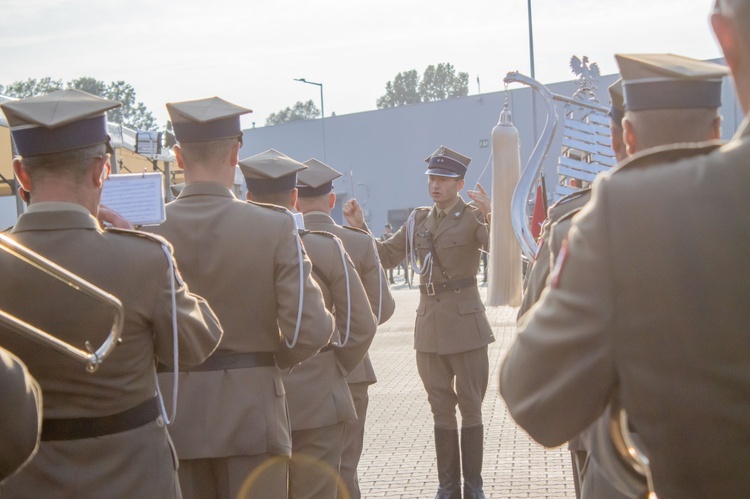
355, 229
324, 233
568, 203
147, 236
270, 206
668, 154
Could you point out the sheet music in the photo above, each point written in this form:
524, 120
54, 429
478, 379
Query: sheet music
139, 197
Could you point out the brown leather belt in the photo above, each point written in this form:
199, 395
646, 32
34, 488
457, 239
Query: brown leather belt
435, 288
220, 361
79, 428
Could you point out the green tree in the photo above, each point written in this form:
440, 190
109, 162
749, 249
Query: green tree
31, 87
300, 111
437, 83
132, 114
403, 90
442, 82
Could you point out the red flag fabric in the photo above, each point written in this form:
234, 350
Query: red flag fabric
540, 213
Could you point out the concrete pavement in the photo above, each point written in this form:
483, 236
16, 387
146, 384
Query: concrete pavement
398, 460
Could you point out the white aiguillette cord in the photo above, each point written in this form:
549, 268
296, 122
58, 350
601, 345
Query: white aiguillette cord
175, 347
411, 251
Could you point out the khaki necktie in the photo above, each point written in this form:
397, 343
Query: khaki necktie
440, 216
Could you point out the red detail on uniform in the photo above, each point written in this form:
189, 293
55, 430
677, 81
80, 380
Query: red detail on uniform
560, 263
540, 212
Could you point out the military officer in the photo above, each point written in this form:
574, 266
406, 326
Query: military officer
20, 412
102, 434
647, 299
247, 260
316, 200
452, 331
317, 393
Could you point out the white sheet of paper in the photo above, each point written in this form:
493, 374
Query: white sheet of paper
139, 197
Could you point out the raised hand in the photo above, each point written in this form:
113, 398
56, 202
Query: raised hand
482, 200
353, 213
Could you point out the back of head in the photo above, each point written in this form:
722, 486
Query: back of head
669, 99
316, 187
660, 127
207, 130
271, 177
59, 136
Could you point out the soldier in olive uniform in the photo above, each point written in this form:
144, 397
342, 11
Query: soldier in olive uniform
648, 299
247, 260
319, 399
452, 331
20, 413
316, 200
694, 117
102, 434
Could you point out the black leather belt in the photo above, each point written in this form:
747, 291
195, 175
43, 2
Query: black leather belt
79, 428
434, 288
219, 361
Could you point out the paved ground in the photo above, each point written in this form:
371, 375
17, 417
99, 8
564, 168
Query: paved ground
399, 455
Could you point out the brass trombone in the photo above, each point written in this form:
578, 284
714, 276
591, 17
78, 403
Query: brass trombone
91, 358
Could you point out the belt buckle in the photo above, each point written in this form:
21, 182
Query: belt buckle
430, 289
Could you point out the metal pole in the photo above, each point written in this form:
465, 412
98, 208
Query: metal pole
533, 73
322, 112
323, 121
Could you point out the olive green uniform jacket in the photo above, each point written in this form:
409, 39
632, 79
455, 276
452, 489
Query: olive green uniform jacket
243, 258
134, 268
649, 297
362, 251
20, 412
317, 391
448, 322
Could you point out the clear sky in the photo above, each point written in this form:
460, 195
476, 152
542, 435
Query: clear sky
250, 51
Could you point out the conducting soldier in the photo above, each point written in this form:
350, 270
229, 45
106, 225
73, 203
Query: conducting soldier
647, 298
316, 200
247, 260
317, 393
20, 413
452, 331
102, 434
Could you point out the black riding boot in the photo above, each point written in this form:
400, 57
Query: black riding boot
449, 464
472, 448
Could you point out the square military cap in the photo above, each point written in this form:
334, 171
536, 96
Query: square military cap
447, 163
270, 172
57, 122
205, 119
668, 81
317, 180
617, 107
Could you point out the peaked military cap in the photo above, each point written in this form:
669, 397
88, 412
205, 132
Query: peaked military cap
447, 163
668, 81
617, 107
317, 180
270, 172
57, 122
205, 119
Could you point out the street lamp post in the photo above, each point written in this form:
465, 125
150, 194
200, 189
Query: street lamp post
533, 72
322, 112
